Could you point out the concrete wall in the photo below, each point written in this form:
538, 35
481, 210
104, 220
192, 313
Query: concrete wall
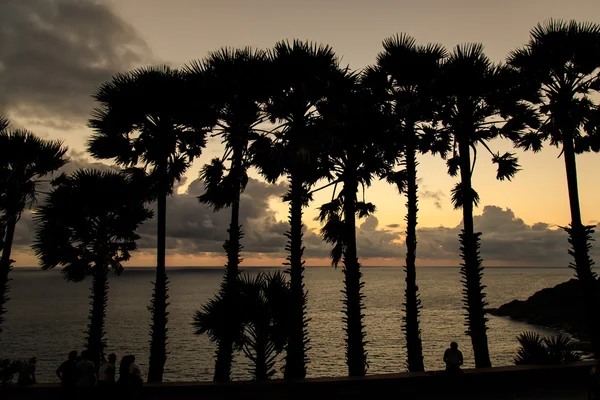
472, 384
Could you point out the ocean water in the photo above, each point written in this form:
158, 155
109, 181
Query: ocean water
47, 317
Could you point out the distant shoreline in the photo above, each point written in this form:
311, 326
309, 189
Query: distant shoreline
220, 268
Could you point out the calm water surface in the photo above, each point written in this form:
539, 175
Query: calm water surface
48, 317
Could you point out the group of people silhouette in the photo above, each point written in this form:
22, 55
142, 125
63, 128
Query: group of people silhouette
79, 375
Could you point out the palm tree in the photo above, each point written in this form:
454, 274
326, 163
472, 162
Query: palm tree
24, 159
562, 61
263, 332
353, 127
240, 76
150, 116
87, 225
481, 101
300, 73
409, 71
536, 350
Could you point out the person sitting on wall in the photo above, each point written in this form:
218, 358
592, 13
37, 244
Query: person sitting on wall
454, 359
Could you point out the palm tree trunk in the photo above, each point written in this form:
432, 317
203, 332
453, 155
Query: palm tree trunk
471, 268
356, 356
412, 305
579, 237
233, 248
158, 341
261, 370
295, 360
99, 298
5, 263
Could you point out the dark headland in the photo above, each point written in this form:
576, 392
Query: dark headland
560, 307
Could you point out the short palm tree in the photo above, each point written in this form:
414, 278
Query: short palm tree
264, 330
480, 101
409, 71
152, 117
87, 225
353, 127
300, 74
240, 76
24, 160
562, 62
536, 350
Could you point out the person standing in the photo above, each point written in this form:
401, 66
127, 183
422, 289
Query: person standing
453, 358
106, 377
86, 371
67, 371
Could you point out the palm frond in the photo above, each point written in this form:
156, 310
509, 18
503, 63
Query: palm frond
460, 196
508, 165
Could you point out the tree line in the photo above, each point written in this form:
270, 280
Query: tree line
295, 113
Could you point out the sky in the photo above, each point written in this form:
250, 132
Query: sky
53, 53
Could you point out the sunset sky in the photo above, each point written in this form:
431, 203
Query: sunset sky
54, 53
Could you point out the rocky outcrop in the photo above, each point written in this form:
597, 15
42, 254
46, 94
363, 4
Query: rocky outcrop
559, 307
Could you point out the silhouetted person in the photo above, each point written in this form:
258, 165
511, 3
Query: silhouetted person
135, 379
27, 373
86, 371
130, 378
67, 372
108, 371
453, 359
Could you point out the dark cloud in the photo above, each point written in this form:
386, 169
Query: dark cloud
53, 53
506, 238
193, 228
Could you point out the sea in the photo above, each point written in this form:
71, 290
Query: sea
47, 317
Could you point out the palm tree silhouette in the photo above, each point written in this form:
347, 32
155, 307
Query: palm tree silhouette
409, 71
353, 128
481, 101
87, 225
240, 76
562, 61
300, 76
24, 159
152, 117
264, 329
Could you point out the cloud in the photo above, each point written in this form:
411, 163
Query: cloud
194, 229
506, 239
436, 196
55, 52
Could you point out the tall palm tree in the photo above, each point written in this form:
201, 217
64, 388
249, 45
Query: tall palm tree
264, 330
300, 75
481, 101
87, 225
240, 76
409, 71
24, 159
353, 127
562, 62
151, 117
